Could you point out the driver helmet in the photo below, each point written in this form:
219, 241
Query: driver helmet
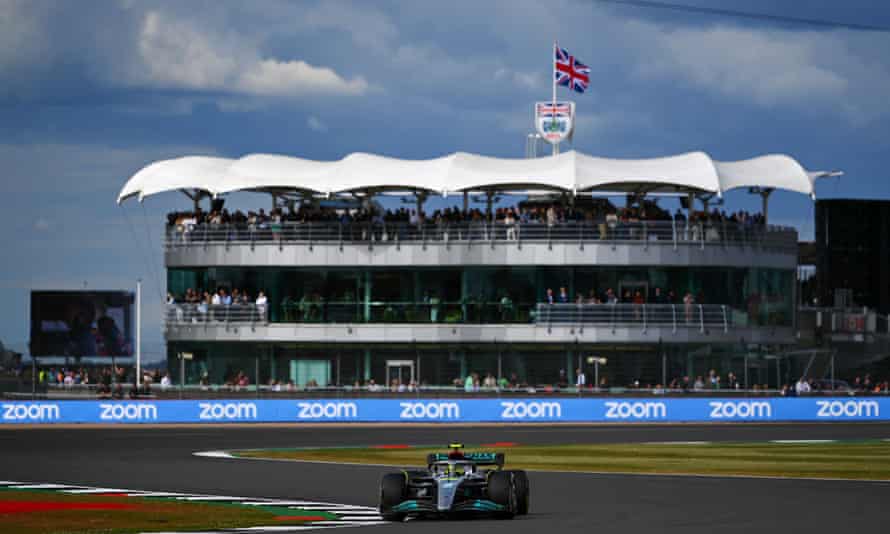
455, 452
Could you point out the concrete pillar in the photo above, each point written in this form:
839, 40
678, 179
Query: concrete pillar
570, 370
764, 195
366, 367
421, 198
273, 368
367, 297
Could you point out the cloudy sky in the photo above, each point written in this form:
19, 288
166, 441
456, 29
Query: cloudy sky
92, 91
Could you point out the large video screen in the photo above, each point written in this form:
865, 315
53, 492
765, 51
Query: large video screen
82, 323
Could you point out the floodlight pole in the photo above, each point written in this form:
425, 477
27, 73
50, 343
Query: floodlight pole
833, 386
138, 332
596, 374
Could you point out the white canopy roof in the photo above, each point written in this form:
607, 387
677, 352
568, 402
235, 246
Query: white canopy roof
569, 171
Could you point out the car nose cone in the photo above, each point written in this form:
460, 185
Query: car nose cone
447, 489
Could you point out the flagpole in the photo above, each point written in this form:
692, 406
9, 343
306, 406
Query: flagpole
553, 76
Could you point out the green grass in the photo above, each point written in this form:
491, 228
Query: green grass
842, 460
147, 515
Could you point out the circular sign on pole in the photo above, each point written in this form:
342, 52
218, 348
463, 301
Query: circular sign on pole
554, 121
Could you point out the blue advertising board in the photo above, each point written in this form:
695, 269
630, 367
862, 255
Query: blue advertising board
599, 410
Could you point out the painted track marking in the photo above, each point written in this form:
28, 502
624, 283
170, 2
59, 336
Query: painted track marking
348, 515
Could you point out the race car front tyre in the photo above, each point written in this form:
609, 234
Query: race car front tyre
520, 479
502, 490
392, 492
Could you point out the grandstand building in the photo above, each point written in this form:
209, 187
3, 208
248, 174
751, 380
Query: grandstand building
565, 281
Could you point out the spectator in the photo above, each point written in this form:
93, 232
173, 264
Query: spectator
261, 303
581, 379
510, 223
688, 302
802, 386
490, 382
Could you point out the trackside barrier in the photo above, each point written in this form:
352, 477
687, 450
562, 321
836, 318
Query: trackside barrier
447, 410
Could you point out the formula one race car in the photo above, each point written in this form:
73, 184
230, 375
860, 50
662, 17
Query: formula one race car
454, 483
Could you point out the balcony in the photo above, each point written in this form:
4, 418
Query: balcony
433, 322
481, 243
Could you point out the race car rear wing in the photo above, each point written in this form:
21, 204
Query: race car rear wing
479, 458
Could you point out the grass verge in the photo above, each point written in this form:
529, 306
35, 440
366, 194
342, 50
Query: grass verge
840, 460
45, 512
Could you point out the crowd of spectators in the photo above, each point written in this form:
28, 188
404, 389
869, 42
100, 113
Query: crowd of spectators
609, 296
863, 385
108, 382
201, 305
118, 382
604, 215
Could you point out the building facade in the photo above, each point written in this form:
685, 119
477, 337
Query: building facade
350, 296
530, 302
853, 253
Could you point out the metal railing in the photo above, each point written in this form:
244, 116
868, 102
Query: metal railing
671, 232
179, 314
698, 316
288, 390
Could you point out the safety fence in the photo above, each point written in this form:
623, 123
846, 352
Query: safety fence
175, 314
674, 316
503, 410
699, 234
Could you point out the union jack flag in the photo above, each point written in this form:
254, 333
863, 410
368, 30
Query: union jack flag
570, 72
560, 109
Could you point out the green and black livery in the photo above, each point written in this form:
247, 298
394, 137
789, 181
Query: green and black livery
456, 483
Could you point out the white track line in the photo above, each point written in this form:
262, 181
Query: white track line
87, 491
41, 486
291, 504
348, 515
214, 454
294, 528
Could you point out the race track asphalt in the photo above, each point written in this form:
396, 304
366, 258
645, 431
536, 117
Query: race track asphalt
161, 459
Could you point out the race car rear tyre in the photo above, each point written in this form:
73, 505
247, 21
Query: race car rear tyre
520, 479
502, 490
392, 492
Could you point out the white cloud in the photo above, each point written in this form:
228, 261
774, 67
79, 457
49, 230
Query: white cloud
176, 54
527, 80
315, 124
369, 29
41, 224
25, 53
771, 68
271, 77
